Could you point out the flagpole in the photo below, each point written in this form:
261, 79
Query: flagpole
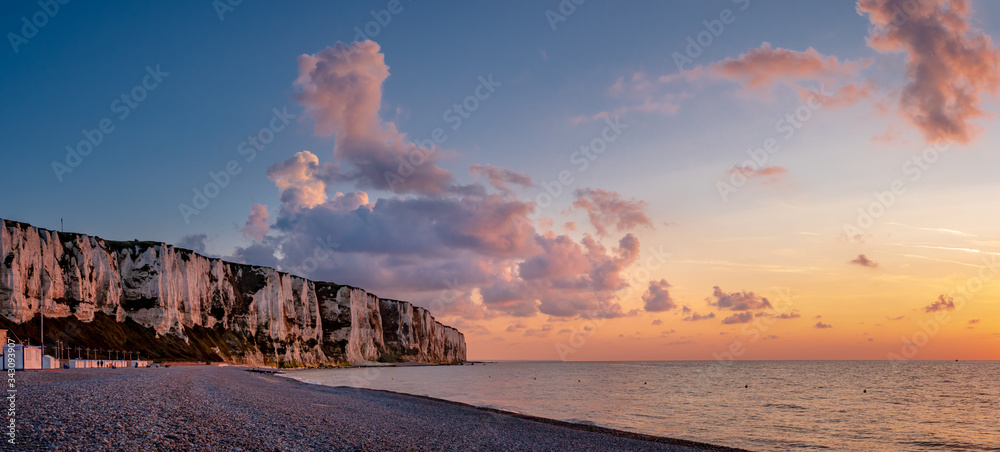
42, 308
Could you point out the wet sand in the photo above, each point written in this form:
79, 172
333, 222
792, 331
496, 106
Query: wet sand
229, 409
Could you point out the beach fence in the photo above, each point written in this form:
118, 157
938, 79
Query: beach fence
94, 363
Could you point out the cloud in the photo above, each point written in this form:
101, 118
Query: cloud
943, 303
642, 96
657, 297
341, 88
765, 66
761, 69
949, 64
486, 243
694, 317
843, 97
737, 301
428, 240
739, 317
570, 278
515, 327
539, 332
195, 242
766, 175
300, 180
822, 325
895, 318
257, 254
788, 315
500, 178
657, 322
974, 321
256, 225
863, 261
607, 209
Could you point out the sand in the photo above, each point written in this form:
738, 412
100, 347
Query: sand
229, 409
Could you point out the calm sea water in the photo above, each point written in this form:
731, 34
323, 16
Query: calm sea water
758, 405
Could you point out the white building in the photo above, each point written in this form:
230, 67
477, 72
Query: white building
50, 362
22, 357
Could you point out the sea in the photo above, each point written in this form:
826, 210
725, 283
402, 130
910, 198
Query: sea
755, 405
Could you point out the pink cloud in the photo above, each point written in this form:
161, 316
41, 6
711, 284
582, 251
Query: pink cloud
694, 317
950, 65
739, 317
642, 95
765, 175
341, 88
300, 179
501, 178
657, 297
863, 261
257, 225
607, 209
737, 301
844, 96
765, 66
943, 303
468, 245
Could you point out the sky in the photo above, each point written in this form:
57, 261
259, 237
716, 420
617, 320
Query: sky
691, 180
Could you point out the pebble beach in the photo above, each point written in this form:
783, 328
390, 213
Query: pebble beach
230, 409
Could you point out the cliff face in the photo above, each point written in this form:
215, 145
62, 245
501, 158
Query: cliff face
178, 292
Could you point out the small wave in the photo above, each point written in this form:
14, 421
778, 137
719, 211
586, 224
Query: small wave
300, 380
581, 421
945, 446
784, 406
649, 416
496, 407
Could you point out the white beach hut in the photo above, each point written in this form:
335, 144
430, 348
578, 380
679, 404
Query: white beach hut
22, 357
50, 362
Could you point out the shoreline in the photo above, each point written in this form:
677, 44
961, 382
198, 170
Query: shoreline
573, 425
229, 408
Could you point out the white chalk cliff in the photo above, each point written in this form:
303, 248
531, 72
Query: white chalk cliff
174, 291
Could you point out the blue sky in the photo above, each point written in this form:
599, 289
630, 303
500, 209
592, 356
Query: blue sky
226, 76
782, 229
